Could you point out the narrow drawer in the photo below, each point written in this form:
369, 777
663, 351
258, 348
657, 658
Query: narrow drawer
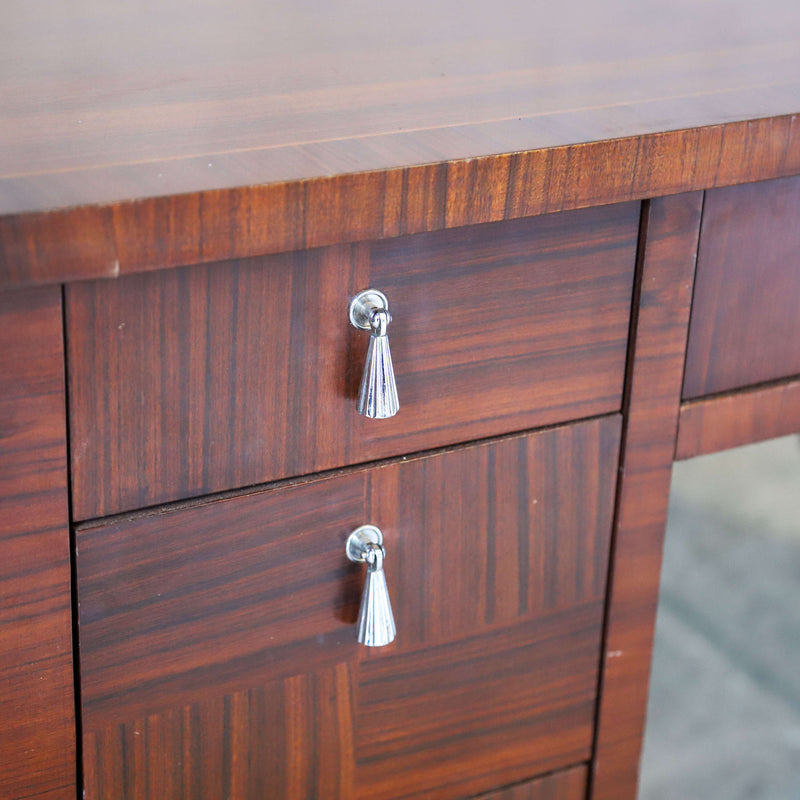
218, 645
745, 325
203, 379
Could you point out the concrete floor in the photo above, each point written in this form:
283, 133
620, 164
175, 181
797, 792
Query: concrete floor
724, 710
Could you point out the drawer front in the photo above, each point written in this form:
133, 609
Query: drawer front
745, 326
218, 644
208, 378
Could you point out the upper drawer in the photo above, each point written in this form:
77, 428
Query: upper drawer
202, 379
745, 325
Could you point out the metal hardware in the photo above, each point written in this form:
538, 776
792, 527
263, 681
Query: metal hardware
377, 396
376, 626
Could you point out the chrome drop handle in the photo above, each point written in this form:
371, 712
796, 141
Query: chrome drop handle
377, 397
375, 620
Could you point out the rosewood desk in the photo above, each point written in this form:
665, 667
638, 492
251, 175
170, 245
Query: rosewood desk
585, 220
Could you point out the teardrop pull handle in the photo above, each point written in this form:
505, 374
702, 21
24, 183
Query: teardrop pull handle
375, 619
377, 397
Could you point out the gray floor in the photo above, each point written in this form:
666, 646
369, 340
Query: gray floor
724, 711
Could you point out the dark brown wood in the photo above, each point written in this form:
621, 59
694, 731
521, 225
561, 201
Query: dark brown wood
221, 223
227, 627
731, 420
745, 326
198, 380
567, 785
37, 731
659, 333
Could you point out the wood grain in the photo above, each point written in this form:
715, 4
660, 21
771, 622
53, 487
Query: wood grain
91, 87
659, 332
199, 380
567, 785
731, 420
37, 731
227, 628
527, 178
288, 738
745, 326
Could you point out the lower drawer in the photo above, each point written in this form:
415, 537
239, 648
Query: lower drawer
218, 645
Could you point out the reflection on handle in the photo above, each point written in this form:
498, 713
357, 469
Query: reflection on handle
377, 397
376, 626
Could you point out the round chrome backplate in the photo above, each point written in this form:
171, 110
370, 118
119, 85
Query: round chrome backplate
363, 304
358, 540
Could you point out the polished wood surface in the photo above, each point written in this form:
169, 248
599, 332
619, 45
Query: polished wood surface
339, 122
745, 325
731, 420
658, 335
227, 628
37, 731
567, 785
102, 241
192, 381
185, 98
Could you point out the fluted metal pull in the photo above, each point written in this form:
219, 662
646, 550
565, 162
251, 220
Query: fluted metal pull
377, 397
375, 619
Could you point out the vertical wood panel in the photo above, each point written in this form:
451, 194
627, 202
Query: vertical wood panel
656, 371
285, 739
37, 733
521, 537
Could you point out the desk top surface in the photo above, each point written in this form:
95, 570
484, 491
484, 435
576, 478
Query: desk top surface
104, 102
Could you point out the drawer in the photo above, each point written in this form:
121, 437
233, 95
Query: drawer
203, 379
745, 324
218, 640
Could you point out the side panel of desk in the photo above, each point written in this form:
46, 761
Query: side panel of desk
658, 334
37, 730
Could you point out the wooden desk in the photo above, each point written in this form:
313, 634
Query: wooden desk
189, 196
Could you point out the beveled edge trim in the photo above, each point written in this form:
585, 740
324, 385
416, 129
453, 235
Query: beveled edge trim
108, 240
745, 416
